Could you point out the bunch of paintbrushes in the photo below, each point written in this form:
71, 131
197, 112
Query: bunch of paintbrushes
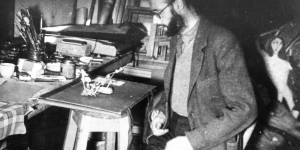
27, 30
92, 88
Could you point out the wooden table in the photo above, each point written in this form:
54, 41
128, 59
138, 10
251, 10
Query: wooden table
104, 113
48, 88
22, 95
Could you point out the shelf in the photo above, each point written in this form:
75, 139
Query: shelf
111, 32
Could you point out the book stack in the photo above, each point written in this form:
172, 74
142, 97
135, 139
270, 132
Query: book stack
161, 44
118, 11
162, 50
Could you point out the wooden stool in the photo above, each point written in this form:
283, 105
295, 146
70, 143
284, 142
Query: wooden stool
82, 123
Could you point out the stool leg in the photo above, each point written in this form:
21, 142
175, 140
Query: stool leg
71, 133
83, 133
125, 135
110, 142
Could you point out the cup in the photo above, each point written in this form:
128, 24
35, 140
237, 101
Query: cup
7, 70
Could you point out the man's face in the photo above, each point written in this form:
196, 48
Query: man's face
167, 16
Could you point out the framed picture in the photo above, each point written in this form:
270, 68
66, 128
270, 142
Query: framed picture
134, 13
139, 15
156, 45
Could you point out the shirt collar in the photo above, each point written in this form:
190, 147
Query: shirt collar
187, 36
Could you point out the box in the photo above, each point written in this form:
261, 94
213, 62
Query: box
74, 48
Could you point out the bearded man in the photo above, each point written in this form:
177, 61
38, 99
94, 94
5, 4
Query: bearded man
208, 99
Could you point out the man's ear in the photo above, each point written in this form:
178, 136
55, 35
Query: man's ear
178, 6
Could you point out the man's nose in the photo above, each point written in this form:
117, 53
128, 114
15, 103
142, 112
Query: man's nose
156, 20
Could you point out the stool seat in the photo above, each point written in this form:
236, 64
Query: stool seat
82, 123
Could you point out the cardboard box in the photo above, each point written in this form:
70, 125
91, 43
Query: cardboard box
73, 49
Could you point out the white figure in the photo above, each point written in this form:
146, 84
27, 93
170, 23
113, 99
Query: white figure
278, 70
93, 88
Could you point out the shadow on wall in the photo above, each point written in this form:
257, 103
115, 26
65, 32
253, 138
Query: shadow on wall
36, 14
7, 19
54, 12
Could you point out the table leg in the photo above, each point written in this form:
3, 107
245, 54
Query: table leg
110, 142
125, 134
83, 133
71, 133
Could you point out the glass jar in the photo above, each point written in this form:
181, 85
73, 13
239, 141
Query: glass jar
36, 55
68, 69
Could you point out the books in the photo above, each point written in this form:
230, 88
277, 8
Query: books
115, 11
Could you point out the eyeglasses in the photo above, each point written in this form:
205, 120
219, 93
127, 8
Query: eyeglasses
157, 14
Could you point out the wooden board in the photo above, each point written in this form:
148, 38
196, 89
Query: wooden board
123, 98
111, 32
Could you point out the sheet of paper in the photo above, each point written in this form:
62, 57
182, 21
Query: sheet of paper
2, 80
114, 82
17, 92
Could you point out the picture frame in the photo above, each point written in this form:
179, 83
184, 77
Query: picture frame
141, 15
134, 14
156, 40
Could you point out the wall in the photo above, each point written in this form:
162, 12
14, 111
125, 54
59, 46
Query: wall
54, 12
251, 16
7, 19
144, 3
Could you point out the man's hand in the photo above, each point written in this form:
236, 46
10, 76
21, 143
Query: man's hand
158, 119
179, 143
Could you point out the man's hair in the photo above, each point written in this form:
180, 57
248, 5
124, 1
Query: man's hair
192, 4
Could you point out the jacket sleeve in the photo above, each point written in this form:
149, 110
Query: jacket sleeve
239, 106
163, 103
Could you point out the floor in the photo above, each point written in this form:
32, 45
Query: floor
47, 130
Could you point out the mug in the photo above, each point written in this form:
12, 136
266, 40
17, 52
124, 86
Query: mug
7, 70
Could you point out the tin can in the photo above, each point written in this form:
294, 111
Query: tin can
68, 69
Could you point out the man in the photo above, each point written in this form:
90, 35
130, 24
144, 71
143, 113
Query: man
208, 98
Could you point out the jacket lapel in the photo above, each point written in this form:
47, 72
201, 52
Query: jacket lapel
198, 53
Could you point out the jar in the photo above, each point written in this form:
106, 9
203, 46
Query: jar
35, 55
68, 69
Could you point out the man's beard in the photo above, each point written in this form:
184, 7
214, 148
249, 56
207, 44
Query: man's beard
175, 24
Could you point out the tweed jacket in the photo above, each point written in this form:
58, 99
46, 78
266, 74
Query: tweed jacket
221, 100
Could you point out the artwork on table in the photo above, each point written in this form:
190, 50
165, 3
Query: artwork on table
92, 88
